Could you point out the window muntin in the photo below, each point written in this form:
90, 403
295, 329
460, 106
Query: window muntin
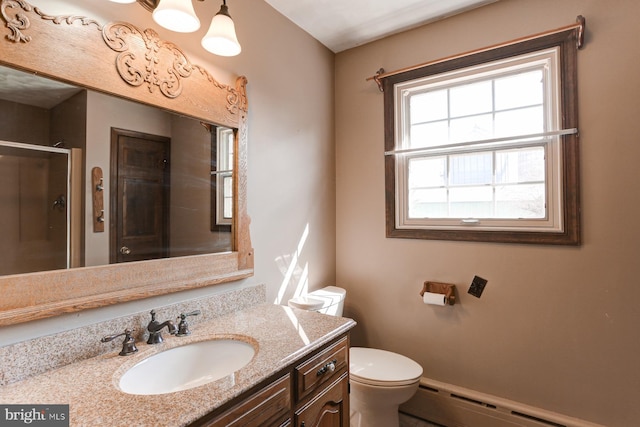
518, 153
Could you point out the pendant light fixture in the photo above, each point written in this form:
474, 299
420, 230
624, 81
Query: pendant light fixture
176, 15
221, 38
179, 16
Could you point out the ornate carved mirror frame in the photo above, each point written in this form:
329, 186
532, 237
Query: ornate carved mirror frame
122, 60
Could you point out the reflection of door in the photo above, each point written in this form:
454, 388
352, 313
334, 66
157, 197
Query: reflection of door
139, 196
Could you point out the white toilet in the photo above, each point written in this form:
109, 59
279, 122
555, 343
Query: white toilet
380, 380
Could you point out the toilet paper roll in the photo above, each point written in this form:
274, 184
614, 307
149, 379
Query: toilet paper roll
434, 299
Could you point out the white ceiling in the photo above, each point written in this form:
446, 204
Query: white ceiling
343, 24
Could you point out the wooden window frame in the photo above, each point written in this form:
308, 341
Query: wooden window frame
566, 42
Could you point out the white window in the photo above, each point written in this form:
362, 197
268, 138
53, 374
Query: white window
224, 176
482, 149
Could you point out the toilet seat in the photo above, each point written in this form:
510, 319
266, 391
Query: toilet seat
382, 368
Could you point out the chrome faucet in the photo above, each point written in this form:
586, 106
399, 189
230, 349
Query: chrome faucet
155, 329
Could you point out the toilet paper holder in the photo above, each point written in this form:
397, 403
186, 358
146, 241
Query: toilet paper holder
447, 289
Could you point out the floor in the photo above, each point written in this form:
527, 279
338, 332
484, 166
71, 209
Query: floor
407, 421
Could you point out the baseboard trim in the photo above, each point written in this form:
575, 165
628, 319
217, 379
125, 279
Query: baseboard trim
453, 406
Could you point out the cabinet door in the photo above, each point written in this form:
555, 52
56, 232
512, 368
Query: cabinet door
267, 407
329, 409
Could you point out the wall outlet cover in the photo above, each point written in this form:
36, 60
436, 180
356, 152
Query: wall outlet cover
477, 286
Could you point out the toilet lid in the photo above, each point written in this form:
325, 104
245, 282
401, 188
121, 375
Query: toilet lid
306, 303
381, 367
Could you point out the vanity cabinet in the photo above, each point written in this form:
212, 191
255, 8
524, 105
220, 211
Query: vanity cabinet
270, 406
312, 392
322, 388
328, 409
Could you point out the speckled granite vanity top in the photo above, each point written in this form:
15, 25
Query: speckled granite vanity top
90, 386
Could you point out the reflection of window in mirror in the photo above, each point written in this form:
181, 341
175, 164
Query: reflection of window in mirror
222, 140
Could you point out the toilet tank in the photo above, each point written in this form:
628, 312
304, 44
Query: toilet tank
327, 300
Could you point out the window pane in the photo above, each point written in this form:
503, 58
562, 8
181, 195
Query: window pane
521, 165
471, 202
474, 98
428, 203
519, 122
520, 201
519, 90
428, 106
228, 197
471, 128
429, 134
471, 169
427, 172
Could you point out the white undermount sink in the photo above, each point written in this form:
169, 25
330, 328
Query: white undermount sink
185, 367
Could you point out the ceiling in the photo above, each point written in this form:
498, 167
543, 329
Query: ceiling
343, 24
338, 24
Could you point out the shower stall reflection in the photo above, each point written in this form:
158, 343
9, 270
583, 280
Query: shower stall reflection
36, 200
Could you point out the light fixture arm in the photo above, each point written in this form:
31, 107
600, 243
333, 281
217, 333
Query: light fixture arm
224, 10
150, 5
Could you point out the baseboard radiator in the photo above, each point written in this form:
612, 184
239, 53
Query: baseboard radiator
452, 406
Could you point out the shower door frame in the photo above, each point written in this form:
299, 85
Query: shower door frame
70, 153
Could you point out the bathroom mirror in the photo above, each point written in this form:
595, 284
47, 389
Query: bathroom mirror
178, 205
141, 71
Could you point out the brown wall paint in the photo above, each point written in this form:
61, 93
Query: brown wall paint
556, 327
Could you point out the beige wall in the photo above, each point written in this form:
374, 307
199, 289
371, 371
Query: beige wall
556, 326
24, 123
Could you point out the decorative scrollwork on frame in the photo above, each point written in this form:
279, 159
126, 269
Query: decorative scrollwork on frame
236, 98
145, 59
239, 97
16, 21
69, 19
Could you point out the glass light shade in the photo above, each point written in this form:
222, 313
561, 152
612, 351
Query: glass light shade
221, 38
176, 15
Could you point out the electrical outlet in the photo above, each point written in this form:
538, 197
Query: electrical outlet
477, 286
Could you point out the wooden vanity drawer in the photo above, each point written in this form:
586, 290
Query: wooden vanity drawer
270, 406
321, 368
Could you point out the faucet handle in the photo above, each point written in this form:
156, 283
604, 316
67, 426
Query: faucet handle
183, 326
128, 344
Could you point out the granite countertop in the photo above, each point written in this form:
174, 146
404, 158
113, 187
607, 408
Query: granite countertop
90, 387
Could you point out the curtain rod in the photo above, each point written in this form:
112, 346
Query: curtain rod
579, 25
